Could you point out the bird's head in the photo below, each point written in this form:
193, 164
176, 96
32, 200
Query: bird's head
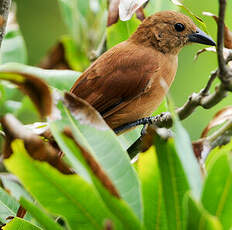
169, 31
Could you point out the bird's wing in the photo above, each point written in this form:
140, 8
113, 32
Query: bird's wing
115, 79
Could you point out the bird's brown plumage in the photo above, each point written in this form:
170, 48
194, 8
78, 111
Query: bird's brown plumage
124, 83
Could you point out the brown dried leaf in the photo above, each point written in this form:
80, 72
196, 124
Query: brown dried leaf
1, 21
34, 87
36, 147
21, 212
113, 12
84, 112
227, 32
198, 148
220, 117
140, 14
55, 58
94, 166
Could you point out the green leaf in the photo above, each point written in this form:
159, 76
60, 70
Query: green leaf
215, 153
60, 79
13, 48
45, 221
188, 160
128, 138
121, 31
174, 182
76, 160
148, 171
158, 5
198, 218
8, 206
18, 223
86, 22
71, 151
120, 208
66, 195
114, 160
76, 57
216, 195
27, 112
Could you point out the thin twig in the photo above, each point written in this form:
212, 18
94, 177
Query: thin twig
209, 83
4, 11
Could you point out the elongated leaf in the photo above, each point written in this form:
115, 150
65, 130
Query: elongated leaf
71, 151
216, 196
198, 218
60, 79
154, 211
8, 206
187, 158
77, 161
120, 208
18, 223
108, 152
174, 182
45, 221
67, 196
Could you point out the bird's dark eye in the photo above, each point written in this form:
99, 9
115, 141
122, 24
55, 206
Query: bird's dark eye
179, 27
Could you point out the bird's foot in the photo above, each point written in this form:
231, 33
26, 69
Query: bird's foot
143, 121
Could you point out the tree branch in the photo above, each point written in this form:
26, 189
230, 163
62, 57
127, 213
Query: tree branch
220, 38
4, 11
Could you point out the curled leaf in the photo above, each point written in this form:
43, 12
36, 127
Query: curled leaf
219, 118
34, 87
36, 147
128, 7
84, 112
94, 166
227, 32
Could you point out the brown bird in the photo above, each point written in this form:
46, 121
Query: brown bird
123, 84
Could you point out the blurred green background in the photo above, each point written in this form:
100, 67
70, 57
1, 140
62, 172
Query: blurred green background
42, 25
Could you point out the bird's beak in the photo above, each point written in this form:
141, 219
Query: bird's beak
201, 37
